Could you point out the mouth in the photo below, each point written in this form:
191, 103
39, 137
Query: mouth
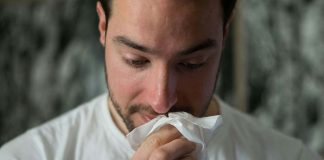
147, 117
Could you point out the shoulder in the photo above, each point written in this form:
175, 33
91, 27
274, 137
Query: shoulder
257, 141
53, 136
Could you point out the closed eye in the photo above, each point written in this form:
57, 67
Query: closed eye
136, 63
191, 66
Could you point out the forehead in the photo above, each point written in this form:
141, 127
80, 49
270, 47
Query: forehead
162, 22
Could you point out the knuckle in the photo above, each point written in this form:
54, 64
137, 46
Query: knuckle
189, 157
159, 154
189, 144
154, 141
192, 145
168, 127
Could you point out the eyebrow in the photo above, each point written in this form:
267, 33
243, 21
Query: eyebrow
207, 44
126, 41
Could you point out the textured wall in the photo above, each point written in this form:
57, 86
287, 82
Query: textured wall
285, 45
51, 60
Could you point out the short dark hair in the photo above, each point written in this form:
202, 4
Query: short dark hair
228, 7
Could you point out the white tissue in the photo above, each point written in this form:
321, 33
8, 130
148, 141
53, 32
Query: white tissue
197, 130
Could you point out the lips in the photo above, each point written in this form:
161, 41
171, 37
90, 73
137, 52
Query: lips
148, 117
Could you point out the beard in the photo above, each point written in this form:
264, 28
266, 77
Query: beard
138, 108
141, 108
126, 116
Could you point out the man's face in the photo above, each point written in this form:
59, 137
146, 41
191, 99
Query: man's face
162, 56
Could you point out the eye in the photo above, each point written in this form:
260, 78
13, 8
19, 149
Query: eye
191, 66
137, 63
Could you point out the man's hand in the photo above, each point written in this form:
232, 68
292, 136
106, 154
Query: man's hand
165, 144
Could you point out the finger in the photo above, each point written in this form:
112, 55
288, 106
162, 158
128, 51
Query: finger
176, 149
189, 157
164, 135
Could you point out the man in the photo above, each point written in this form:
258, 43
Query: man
161, 56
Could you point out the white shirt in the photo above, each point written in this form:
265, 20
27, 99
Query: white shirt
88, 132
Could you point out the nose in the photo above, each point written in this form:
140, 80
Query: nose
163, 90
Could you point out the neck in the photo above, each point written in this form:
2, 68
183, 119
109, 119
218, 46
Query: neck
213, 108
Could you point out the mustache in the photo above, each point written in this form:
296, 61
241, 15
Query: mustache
148, 109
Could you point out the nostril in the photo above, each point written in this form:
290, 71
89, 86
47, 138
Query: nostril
163, 104
160, 107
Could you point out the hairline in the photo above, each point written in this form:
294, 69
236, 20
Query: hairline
225, 3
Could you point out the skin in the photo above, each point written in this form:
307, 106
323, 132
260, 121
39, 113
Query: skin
161, 56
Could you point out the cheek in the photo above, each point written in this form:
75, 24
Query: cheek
122, 84
202, 84
197, 88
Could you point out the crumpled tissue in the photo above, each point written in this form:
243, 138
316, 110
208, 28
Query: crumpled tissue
197, 130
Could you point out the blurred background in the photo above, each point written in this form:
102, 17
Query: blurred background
51, 61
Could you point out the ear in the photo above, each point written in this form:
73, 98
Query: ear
102, 23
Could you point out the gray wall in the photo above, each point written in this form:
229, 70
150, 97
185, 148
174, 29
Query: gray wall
285, 46
51, 61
